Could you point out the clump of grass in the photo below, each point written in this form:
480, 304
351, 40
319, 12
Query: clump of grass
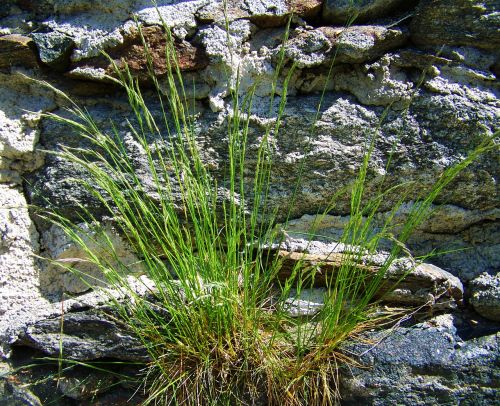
213, 320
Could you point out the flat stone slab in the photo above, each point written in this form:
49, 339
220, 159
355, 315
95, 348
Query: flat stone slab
404, 283
17, 49
87, 335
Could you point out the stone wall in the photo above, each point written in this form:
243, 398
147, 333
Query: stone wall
432, 63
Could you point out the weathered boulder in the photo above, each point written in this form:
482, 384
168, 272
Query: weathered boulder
433, 64
20, 295
362, 43
426, 148
438, 130
266, 13
18, 239
22, 104
448, 226
486, 295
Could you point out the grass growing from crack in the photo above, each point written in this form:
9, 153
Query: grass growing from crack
211, 313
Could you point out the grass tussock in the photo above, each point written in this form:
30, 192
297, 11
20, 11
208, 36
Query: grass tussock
213, 316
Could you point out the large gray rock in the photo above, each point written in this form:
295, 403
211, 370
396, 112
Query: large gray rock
265, 13
22, 104
356, 44
433, 135
451, 110
450, 228
84, 274
425, 364
442, 124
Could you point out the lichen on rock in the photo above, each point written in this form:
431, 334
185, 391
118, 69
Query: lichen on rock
423, 73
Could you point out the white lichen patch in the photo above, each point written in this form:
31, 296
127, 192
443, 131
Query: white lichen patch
88, 73
225, 53
20, 117
377, 84
179, 16
19, 293
91, 34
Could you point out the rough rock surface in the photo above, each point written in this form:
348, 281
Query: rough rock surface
16, 49
428, 363
405, 281
329, 148
449, 226
457, 22
486, 295
21, 105
265, 13
341, 11
12, 394
20, 296
133, 54
84, 275
88, 335
429, 68
356, 44
54, 49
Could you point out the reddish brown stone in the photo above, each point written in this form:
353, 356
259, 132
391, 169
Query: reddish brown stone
133, 54
189, 57
17, 50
